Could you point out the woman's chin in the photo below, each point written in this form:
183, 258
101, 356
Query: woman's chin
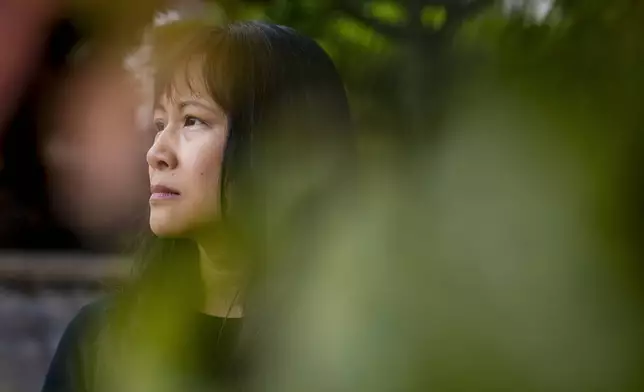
166, 225
165, 228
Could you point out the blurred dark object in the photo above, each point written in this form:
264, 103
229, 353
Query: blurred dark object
94, 153
24, 27
26, 221
61, 41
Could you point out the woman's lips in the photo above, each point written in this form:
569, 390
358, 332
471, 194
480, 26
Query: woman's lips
163, 196
162, 192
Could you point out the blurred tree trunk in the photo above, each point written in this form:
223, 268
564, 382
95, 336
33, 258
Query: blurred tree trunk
427, 64
415, 67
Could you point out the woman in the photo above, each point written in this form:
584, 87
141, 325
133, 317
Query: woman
252, 125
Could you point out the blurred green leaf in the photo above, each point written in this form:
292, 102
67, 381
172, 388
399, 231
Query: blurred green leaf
388, 11
358, 34
434, 17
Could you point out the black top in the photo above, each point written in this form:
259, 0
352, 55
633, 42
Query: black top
208, 348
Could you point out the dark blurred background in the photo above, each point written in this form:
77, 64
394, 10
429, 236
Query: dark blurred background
510, 133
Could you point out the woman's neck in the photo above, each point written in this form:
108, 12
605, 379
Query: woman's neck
223, 285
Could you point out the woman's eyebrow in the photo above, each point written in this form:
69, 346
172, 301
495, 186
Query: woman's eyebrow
202, 104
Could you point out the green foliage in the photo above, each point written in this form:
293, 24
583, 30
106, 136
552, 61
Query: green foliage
511, 242
388, 11
434, 17
254, 12
357, 34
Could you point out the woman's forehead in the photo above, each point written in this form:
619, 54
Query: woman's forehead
186, 83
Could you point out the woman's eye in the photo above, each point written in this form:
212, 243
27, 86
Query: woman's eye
159, 125
192, 121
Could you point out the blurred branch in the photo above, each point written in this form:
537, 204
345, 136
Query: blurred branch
457, 13
443, 3
454, 3
472, 7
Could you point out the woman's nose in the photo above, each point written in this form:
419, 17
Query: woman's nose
161, 156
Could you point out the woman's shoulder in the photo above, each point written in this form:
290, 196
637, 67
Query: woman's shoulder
68, 370
91, 316
86, 325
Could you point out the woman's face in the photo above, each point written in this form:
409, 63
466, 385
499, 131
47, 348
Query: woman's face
185, 160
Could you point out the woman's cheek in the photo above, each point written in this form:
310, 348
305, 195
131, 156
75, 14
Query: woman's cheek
207, 168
